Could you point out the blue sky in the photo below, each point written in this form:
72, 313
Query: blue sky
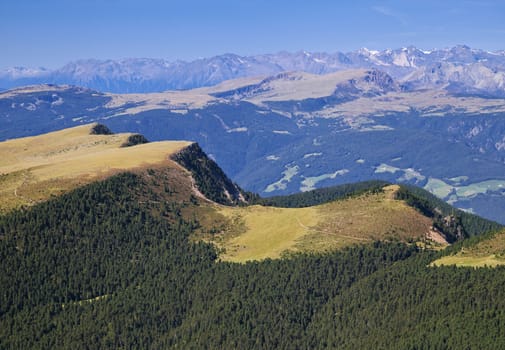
50, 33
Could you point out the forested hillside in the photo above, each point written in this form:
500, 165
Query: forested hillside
110, 265
122, 259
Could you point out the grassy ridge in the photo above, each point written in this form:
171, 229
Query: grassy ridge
352, 214
35, 168
261, 232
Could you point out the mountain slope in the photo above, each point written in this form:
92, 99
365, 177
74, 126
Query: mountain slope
103, 267
410, 306
114, 264
40, 167
208, 176
261, 232
35, 168
484, 251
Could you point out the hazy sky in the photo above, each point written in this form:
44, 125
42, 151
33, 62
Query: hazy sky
50, 33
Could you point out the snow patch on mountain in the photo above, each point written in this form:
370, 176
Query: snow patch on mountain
240, 129
308, 155
281, 184
309, 183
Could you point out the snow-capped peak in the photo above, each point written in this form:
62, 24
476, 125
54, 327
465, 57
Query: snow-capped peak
367, 52
154, 75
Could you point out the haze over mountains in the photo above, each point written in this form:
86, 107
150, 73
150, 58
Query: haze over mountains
461, 69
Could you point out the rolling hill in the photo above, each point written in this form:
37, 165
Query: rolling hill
120, 259
37, 168
34, 169
259, 232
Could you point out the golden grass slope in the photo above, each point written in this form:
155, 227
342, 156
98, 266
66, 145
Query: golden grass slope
256, 232
266, 232
32, 169
490, 252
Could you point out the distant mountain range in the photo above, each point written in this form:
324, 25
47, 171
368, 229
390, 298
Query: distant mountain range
459, 69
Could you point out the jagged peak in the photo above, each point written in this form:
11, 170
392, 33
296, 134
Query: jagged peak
156, 75
378, 77
375, 81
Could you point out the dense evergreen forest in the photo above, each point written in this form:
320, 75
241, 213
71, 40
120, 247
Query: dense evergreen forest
110, 265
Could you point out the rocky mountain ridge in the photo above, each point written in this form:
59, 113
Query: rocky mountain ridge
471, 70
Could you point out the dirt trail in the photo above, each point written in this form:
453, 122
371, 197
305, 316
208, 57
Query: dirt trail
329, 232
25, 181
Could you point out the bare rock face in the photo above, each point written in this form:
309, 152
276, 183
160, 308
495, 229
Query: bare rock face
381, 79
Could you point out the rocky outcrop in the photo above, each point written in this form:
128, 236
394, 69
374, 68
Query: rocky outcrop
135, 139
210, 179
